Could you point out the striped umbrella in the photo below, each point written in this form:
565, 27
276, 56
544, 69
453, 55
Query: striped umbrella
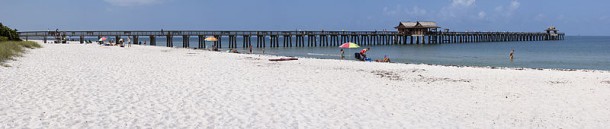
102, 39
211, 39
349, 45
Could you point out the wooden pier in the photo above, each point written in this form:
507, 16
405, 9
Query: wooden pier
306, 38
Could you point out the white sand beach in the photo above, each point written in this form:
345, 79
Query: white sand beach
92, 86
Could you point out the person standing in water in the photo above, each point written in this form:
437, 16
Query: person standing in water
342, 54
511, 54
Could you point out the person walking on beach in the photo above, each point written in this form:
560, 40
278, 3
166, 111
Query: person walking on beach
128, 41
342, 52
250, 47
511, 54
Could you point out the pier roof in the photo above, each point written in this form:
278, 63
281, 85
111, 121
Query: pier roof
417, 24
552, 28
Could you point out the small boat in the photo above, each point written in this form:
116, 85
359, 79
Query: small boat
284, 59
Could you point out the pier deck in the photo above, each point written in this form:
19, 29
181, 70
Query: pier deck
304, 38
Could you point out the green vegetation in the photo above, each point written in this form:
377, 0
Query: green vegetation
10, 49
8, 34
2, 38
11, 45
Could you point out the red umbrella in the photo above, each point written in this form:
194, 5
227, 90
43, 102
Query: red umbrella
102, 39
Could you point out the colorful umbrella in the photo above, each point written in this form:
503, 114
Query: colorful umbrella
349, 45
102, 39
211, 39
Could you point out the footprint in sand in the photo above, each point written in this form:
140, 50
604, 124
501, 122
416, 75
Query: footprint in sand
558, 82
387, 74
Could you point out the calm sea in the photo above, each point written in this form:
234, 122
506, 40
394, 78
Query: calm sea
576, 52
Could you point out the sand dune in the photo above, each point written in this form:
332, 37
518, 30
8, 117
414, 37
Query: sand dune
91, 86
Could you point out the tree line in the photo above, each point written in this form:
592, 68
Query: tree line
8, 34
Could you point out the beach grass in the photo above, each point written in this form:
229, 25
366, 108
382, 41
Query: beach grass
11, 49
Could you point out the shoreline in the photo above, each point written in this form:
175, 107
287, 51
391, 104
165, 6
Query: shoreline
92, 86
450, 65
474, 66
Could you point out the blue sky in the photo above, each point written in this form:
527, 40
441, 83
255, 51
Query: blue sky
591, 17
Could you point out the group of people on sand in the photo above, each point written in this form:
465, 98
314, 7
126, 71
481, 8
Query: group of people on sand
120, 43
385, 59
363, 57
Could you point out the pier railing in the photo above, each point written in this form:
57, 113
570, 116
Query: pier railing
195, 33
305, 38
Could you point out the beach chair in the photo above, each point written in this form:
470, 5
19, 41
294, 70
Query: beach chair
358, 56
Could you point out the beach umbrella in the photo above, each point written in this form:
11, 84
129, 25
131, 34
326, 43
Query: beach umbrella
349, 45
102, 39
211, 39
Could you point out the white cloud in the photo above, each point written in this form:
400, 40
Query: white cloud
401, 11
416, 11
458, 8
454, 10
514, 5
398, 11
499, 8
391, 12
132, 2
462, 3
482, 14
509, 9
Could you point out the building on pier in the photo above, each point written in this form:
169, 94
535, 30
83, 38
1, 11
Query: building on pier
418, 28
552, 31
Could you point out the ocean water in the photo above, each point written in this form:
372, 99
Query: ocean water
575, 52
